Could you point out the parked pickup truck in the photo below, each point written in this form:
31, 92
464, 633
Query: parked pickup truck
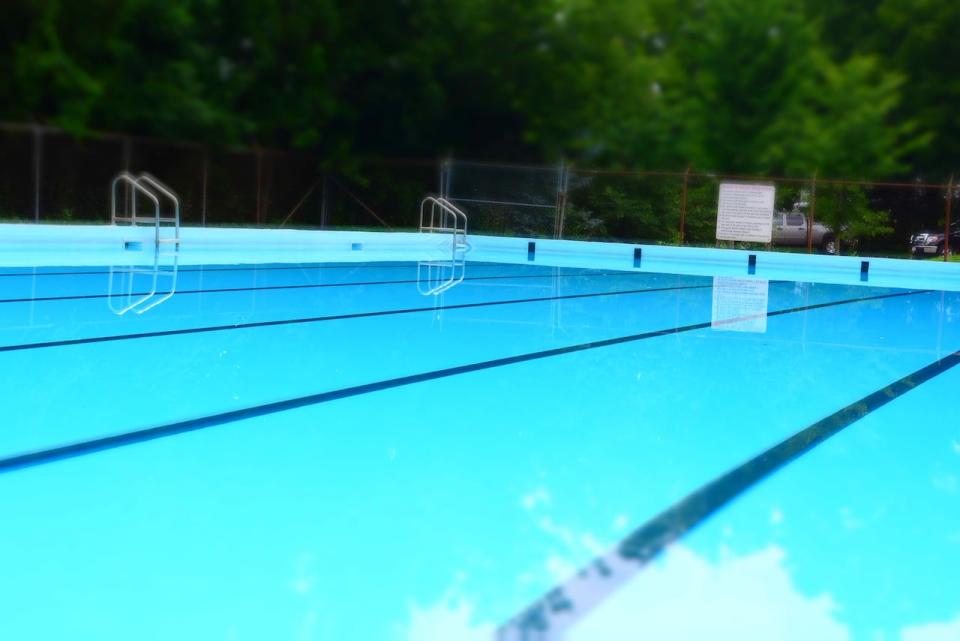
790, 228
930, 242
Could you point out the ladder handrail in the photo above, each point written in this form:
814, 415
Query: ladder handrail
130, 179
446, 208
445, 205
456, 209
155, 183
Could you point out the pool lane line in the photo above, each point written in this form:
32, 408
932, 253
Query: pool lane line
569, 602
335, 317
222, 290
81, 448
359, 265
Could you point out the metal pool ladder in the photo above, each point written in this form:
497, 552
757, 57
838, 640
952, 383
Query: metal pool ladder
148, 186
437, 214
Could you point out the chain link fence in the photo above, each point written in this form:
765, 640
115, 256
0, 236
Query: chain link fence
506, 199
49, 176
810, 215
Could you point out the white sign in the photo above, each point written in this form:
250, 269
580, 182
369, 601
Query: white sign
745, 212
739, 304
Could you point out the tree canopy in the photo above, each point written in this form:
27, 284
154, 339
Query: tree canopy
775, 86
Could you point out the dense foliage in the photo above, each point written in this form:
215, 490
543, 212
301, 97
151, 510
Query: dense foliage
782, 86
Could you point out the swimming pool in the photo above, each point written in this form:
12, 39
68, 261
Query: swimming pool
551, 447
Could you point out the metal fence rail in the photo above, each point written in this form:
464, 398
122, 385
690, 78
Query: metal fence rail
47, 173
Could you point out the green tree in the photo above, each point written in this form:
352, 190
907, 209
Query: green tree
925, 49
917, 39
39, 78
847, 211
751, 89
780, 86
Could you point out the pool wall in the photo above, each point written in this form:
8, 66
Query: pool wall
39, 245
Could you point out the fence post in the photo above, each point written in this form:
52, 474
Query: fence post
683, 204
445, 168
323, 203
37, 170
203, 200
126, 153
813, 213
561, 200
259, 171
441, 176
946, 221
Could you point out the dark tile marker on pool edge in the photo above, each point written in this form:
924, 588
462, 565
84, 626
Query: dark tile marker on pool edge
123, 439
531, 250
864, 270
752, 264
568, 603
637, 255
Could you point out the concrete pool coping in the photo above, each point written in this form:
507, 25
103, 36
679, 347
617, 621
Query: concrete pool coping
30, 245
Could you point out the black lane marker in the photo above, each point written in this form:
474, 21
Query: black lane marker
318, 319
253, 268
569, 602
221, 290
148, 434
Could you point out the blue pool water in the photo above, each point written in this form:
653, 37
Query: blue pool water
321, 451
